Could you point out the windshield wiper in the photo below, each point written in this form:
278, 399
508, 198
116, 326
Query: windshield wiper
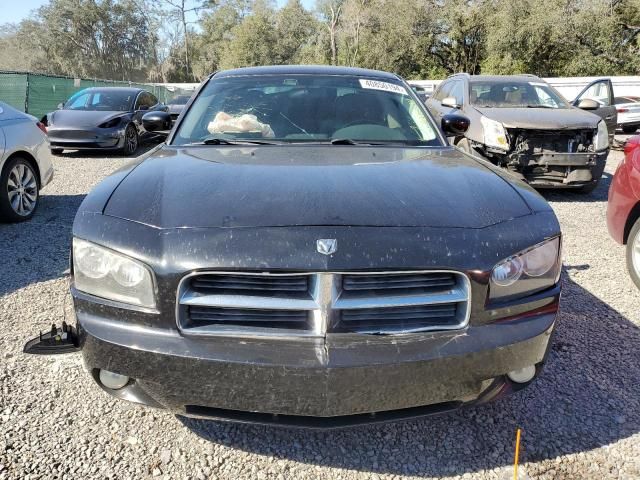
349, 141
539, 106
224, 141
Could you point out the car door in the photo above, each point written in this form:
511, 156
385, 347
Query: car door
434, 103
143, 103
602, 92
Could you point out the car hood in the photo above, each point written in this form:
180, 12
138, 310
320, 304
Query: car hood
81, 118
542, 118
276, 186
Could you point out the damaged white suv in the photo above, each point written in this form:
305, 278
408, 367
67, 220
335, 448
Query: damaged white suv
522, 124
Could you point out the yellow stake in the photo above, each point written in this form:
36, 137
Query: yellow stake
515, 462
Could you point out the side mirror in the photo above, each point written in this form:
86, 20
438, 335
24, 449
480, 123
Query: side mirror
156, 121
632, 144
60, 106
455, 124
588, 104
450, 102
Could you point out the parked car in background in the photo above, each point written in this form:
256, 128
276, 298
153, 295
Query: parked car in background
623, 209
25, 164
105, 118
628, 113
268, 265
421, 92
176, 105
522, 124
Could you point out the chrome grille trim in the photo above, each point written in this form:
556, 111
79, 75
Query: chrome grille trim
324, 300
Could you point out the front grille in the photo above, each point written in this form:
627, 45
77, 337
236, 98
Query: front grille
373, 284
251, 284
314, 304
208, 316
381, 320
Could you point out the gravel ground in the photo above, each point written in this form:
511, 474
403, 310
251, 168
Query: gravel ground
580, 420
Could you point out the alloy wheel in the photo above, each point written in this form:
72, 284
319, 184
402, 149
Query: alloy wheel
131, 140
635, 254
22, 188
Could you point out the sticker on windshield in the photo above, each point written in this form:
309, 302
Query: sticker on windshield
537, 84
384, 86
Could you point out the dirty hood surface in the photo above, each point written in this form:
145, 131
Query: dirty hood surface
542, 118
314, 185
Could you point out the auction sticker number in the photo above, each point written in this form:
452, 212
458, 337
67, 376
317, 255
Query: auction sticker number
384, 86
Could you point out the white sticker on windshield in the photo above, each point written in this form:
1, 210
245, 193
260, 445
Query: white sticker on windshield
384, 86
537, 84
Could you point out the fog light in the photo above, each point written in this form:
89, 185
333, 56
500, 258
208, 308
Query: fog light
111, 380
522, 375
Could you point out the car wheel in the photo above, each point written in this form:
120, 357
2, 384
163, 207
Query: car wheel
19, 191
57, 151
633, 253
629, 128
130, 141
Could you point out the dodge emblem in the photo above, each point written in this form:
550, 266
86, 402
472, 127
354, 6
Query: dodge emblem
327, 246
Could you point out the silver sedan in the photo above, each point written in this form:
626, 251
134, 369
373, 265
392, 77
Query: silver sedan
25, 164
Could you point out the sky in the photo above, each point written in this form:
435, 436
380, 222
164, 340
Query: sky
13, 11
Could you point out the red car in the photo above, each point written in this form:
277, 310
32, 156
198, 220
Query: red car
623, 210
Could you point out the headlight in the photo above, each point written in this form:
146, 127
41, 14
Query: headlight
114, 122
527, 272
107, 274
494, 134
602, 137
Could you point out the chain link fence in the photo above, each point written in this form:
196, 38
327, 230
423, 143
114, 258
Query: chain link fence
39, 94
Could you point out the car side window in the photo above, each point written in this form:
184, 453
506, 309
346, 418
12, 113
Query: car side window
457, 91
599, 92
443, 91
145, 101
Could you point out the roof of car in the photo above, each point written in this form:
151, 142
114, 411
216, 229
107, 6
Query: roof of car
118, 89
307, 70
503, 78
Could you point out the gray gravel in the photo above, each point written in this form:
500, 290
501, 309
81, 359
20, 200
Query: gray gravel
580, 420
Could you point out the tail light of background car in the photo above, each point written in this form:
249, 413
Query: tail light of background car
42, 127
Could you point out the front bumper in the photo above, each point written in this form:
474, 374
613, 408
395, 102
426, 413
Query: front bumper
86, 139
564, 170
343, 379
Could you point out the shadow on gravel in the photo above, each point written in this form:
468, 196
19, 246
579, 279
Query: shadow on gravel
587, 397
38, 250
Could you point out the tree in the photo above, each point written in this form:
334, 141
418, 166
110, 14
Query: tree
331, 10
182, 9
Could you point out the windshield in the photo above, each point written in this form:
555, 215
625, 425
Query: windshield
305, 108
515, 94
179, 100
101, 100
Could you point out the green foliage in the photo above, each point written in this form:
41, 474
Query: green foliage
185, 40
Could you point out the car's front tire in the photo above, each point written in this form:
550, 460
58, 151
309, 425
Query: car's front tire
131, 141
633, 253
19, 191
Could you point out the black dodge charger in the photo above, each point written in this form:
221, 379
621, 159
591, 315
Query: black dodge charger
307, 249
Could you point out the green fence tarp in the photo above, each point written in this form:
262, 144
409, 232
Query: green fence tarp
38, 94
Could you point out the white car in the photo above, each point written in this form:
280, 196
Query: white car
25, 164
628, 113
